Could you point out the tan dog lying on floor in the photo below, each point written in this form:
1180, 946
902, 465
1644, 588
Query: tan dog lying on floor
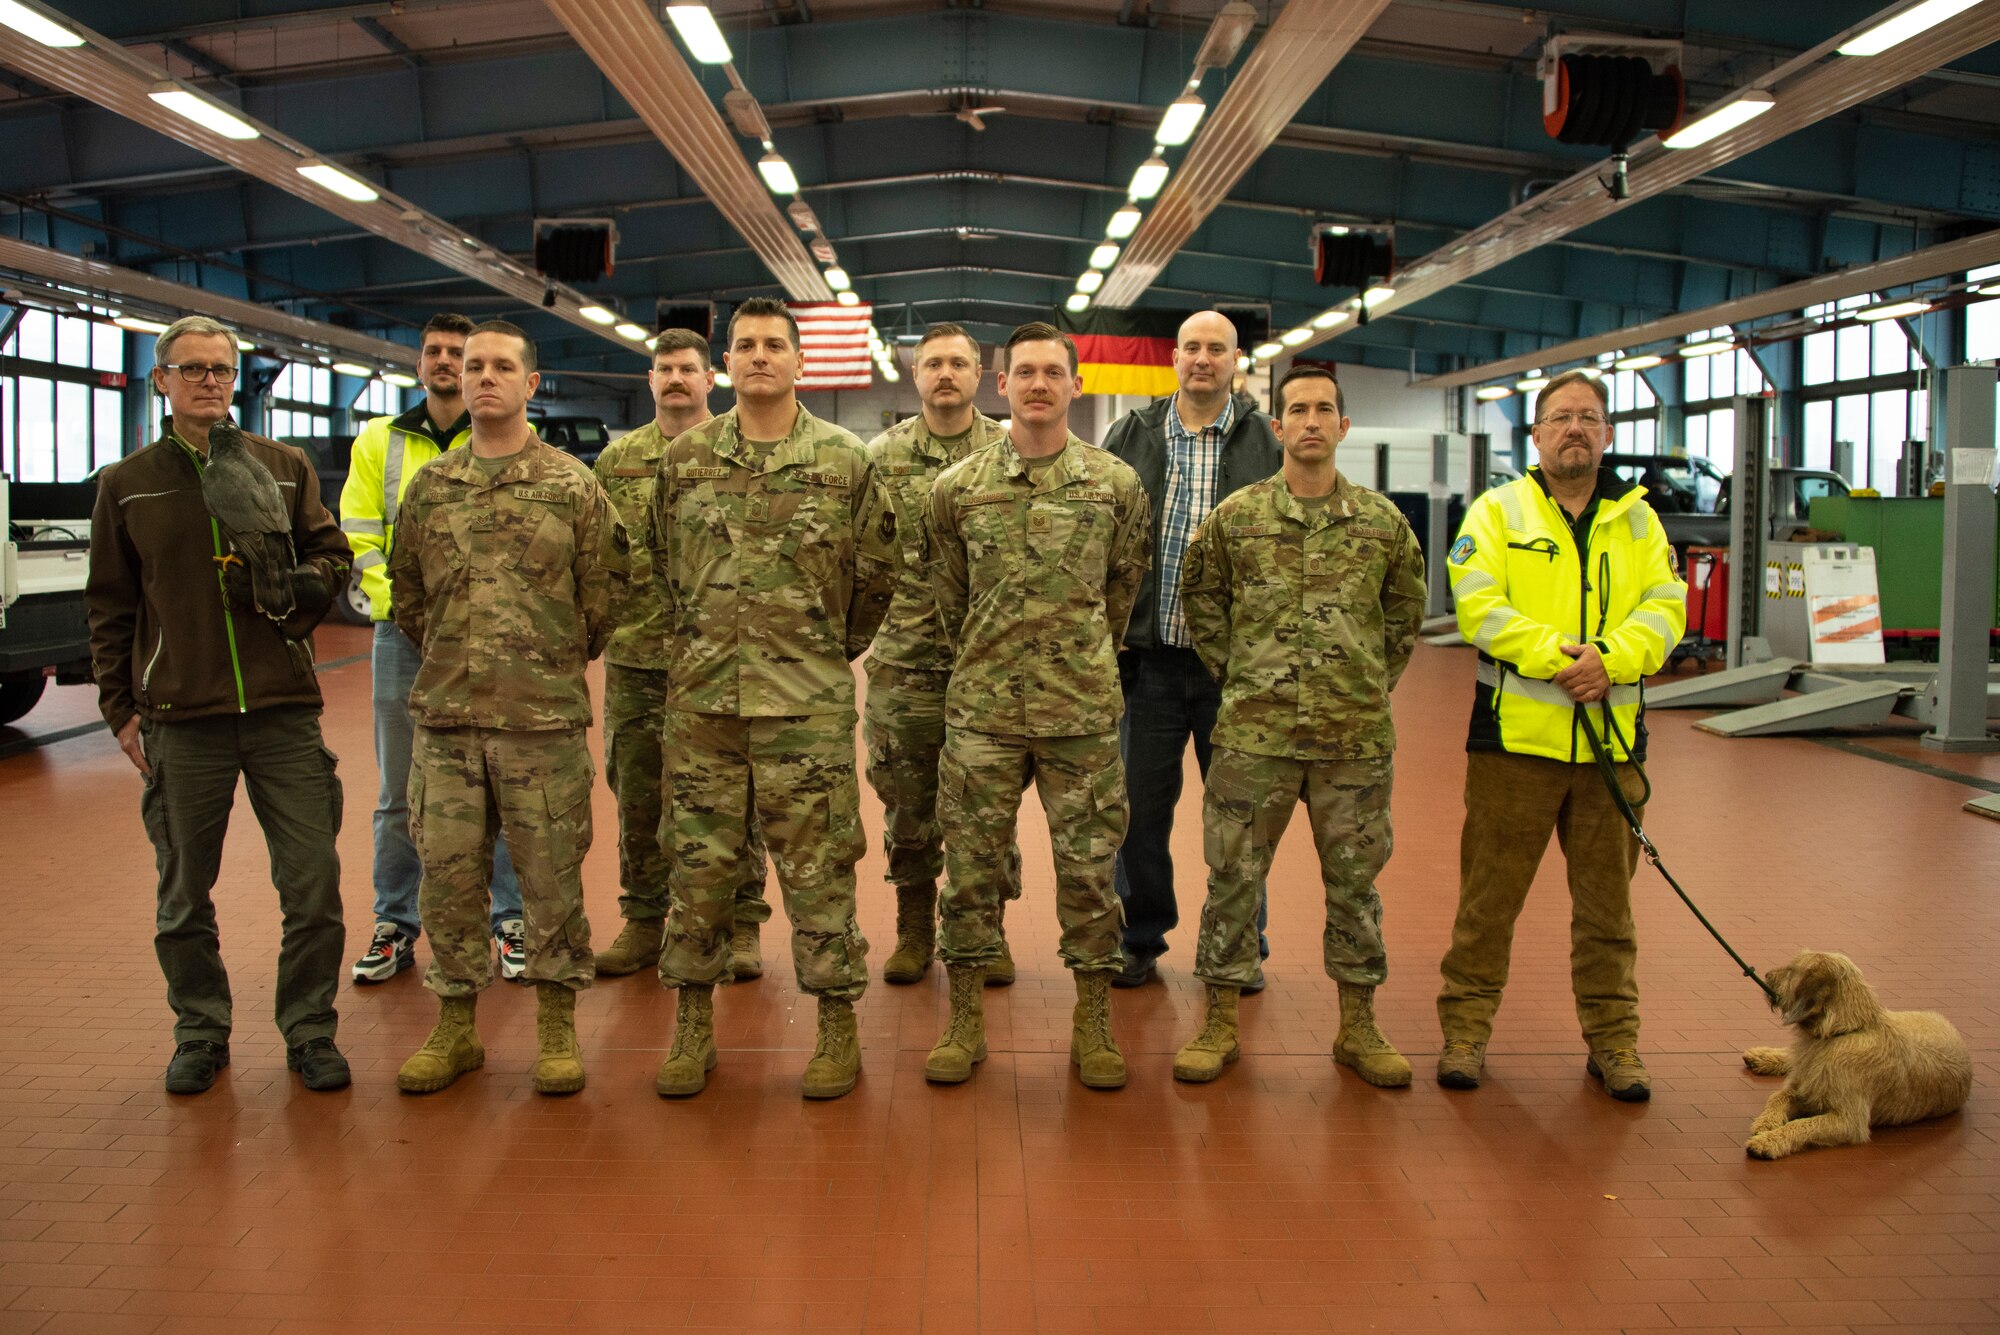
1854, 1065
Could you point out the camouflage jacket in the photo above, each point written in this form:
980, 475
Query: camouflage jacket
627, 469
773, 579
1035, 582
1307, 616
908, 459
507, 583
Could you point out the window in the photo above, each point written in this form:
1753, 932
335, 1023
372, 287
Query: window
1982, 318
57, 422
1862, 436
1722, 376
301, 403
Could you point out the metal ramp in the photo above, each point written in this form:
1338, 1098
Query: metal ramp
1848, 705
1441, 631
1822, 696
1757, 684
1988, 806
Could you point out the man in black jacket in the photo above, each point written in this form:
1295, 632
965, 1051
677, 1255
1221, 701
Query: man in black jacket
1190, 449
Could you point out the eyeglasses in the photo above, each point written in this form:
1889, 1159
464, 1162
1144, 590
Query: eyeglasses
196, 372
1589, 421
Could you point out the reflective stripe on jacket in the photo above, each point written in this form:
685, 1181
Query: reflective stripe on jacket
1523, 591
386, 455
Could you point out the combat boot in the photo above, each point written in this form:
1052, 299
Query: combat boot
1460, 1064
692, 1057
746, 952
1623, 1074
452, 1049
1099, 1062
836, 1060
559, 1061
963, 1044
637, 946
1000, 973
1361, 1045
1215, 1048
916, 933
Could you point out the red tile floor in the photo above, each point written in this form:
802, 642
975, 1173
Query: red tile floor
1288, 1196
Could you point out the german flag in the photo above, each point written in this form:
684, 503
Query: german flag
1125, 352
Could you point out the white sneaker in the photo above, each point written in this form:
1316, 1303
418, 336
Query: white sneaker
387, 955
513, 948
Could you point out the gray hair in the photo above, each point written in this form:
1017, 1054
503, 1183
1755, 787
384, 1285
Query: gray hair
190, 324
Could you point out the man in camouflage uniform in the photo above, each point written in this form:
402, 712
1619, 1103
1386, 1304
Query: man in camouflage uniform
1039, 544
774, 551
1303, 596
509, 559
902, 721
635, 680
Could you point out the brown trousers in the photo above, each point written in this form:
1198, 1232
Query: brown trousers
1511, 805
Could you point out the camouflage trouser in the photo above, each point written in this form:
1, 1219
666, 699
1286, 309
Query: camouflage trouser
635, 721
1512, 804
902, 725
1082, 787
468, 785
797, 776
1246, 806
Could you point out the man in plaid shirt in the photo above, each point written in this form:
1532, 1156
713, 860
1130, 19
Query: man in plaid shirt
1190, 449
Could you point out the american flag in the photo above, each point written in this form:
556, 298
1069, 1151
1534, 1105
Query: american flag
833, 343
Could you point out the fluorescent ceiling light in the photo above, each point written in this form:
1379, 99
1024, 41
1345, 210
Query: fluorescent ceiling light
1150, 176
636, 333
777, 174
1639, 363
1488, 393
30, 24
1243, 362
1104, 256
1328, 319
837, 279
1291, 338
847, 299
597, 315
1904, 26
1894, 310
1226, 34
698, 29
1529, 384
338, 181
1708, 349
1265, 351
1722, 120
1089, 281
1376, 295
209, 115
400, 381
722, 380
1077, 301
245, 345
354, 369
890, 373
139, 326
1123, 223
1183, 114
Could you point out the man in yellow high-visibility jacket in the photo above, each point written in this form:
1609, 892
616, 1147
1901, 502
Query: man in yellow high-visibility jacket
386, 455
1565, 582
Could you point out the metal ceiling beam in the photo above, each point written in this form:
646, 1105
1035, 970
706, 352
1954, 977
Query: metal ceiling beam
119, 81
95, 279
1293, 58
1931, 262
1815, 85
626, 41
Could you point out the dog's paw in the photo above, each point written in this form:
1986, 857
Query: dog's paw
1766, 1122
1767, 1061
1765, 1145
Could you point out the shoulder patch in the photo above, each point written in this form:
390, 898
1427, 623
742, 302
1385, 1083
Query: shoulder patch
1462, 550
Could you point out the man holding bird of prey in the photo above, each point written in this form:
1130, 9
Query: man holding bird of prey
211, 560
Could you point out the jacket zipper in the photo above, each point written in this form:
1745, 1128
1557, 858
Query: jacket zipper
146, 677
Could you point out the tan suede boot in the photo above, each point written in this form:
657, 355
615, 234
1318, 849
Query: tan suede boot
558, 1061
637, 946
452, 1049
746, 951
963, 1044
916, 933
1000, 973
1212, 1051
692, 1057
1361, 1044
836, 1060
1099, 1062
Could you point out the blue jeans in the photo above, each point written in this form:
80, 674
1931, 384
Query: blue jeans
397, 870
1169, 697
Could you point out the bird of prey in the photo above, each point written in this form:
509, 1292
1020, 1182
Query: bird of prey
257, 524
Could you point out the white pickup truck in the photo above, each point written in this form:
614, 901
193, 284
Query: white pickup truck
44, 558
